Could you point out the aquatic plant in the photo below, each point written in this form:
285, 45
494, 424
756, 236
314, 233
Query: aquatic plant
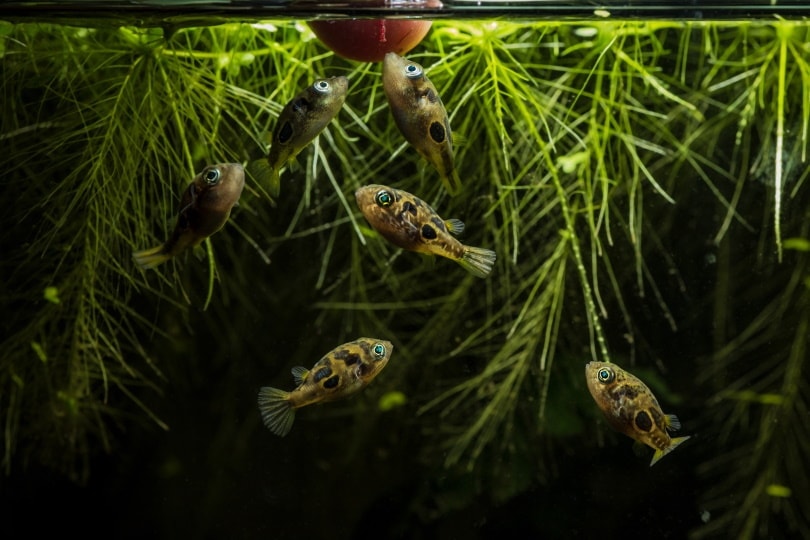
595, 158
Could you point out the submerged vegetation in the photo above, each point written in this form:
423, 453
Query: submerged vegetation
644, 185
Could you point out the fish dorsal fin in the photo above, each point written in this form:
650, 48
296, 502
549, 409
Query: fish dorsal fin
455, 226
673, 424
300, 374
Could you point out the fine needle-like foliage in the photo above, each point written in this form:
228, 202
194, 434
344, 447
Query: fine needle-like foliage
607, 163
103, 130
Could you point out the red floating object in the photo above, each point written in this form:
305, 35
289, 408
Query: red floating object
368, 40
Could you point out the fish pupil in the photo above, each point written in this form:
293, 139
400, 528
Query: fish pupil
383, 198
379, 350
211, 176
437, 132
321, 86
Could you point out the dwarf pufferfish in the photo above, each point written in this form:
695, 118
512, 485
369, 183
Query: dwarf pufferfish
343, 371
303, 118
420, 115
204, 209
631, 408
408, 222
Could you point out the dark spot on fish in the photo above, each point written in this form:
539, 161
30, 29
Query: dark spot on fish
322, 373
361, 370
300, 105
352, 359
340, 354
439, 223
437, 132
332, 381
428, 232
430, 95
409, 207
286, 133
624, 391
643, 421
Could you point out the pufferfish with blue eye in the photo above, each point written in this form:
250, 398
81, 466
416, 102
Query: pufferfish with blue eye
302, 119
343, 371
420, 115
204, 209
631, 408
408, 222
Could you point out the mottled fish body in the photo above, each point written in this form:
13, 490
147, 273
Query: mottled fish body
301, 120
343, 371
631, 408
410, 223
204, 209
420, 115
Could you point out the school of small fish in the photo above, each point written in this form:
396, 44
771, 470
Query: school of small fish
404, 220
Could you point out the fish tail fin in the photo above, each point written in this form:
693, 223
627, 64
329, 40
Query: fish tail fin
673, 444
277, 411
150, 258
452, 182
477, 261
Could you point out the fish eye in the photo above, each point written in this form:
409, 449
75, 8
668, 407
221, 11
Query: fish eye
605, 375
383, 198
321, 86
211, 176
413, 71
379, 350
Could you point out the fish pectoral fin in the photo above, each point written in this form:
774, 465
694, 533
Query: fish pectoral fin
673, 444
300, 374
673, 424
458, 140
477, 261
455, 226
276, 410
